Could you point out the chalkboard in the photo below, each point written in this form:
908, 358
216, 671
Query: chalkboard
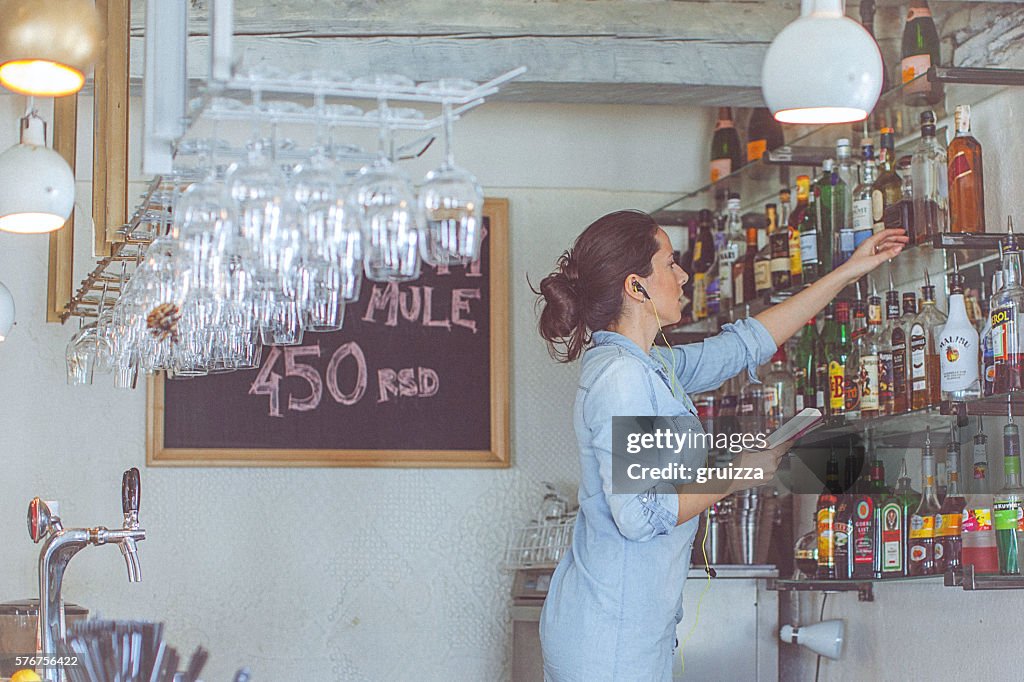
417, 376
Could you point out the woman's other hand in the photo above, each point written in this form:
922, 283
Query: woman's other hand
765, 460
875, 250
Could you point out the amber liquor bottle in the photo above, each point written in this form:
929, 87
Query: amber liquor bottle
780, 259
901, 355
925, 367
966, 184
763, 257
825, 519
948, 521
922, 522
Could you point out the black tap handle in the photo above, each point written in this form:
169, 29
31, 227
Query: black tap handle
130, 491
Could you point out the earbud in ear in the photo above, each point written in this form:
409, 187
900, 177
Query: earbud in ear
637, 287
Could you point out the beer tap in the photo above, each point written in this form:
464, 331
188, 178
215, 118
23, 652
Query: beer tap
61, 544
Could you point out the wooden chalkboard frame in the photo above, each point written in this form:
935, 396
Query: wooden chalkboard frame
497, 456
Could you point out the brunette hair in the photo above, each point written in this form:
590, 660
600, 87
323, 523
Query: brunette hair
585, 293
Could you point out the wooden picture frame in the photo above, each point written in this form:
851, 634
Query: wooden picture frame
216, 396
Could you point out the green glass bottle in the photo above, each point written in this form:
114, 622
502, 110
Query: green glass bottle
1007, 503
894, 524
726, 157
920, 50
805, 367
837, 350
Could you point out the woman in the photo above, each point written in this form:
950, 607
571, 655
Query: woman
616, 597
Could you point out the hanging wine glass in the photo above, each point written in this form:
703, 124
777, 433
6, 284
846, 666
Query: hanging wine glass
451, 200
384, 198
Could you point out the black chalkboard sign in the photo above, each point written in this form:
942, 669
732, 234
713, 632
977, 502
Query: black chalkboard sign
417, 376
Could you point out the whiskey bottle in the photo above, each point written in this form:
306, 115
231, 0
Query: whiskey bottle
725, 146
922, 522
837, 350
978, 542
763, 257
852, 385
888, 187
894, 522
825, 520
925, 369
796, 240
829, 329
885, 363
804, 367
1006, 311
863, 547
704, 270
901, 377
947, 522
958, 347
966, 183
869, 350
929, 173
744, 285
1007, 511
778, 237
920, 50
863, 211
733, 248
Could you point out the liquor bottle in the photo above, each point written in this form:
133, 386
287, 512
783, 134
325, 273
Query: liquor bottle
869, 351
988, 369
763, 257
901, 361
780, 392
733, 248
784, 199
1007, 309
922, 522
888, 187
725, 146
686, 263
825, 518
966, 181
863, 212
878, 492
852, 468
929, 173
752, 407
958, 347
876, 485
804, 366
1007, 511
978, 537
940, 479
867, 20
901, 213
863, 547
829, 330
778, 237
704, 270
843, 537
885, 363
920, 51
796, 218
837, 350
743, 284
851, 374
948, 544
829, 211
894, 526
842, 194
925, 369
764, 133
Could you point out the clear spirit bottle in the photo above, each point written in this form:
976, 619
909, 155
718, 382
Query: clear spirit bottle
978, 536
885, 361
863, 200
852, 385
1006, 311
843, 197
780, 392
733, 248
869, 350
929, 176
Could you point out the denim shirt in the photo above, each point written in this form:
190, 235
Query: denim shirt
616, 596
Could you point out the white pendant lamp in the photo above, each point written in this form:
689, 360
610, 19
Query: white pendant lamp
47, 46
37, 187
6, 311
822, 68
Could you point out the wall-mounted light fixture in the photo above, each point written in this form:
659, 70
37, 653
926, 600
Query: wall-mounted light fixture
822, 68
824, 638
47, 46
37, 187
6, 311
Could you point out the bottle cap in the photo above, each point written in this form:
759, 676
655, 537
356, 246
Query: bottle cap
704, 216
734, 195
827, 165
927, 117
733, 204
780, 355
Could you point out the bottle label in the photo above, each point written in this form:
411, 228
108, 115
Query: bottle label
862, 215
819, 399
892, 538
737, 284
799, 402
915, 65
1004, 334
863, 544
762, 276
869, 382
899, 362
836, 383
700, 296
846, 241
726, 257
922, 527
959, 167
958, 357
973, 520
874, 315
719, 169
796, 264
809, 248
884, 378
756, 149
780, 264
877, 210
947, 525
918, 345
918, 13
826, 540
1007, 515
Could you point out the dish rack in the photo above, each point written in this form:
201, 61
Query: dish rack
539, 545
